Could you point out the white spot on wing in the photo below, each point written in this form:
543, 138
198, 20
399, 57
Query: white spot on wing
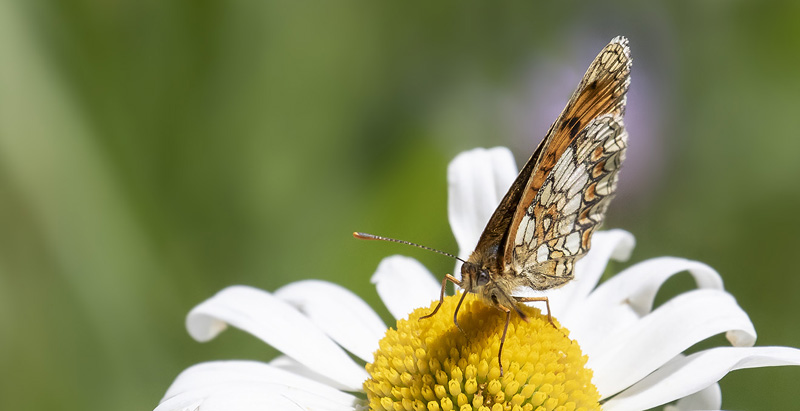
560, 269
566, 224
572, 206
573, 243
520, 232
542, 254
563, 169
529, 229
579, 183
607, 185
546, 192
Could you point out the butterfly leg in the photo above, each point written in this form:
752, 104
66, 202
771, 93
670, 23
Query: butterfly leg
455, 315
447, 278
546, 301
455, 281
503, 338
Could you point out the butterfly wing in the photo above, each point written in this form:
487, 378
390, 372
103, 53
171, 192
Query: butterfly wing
573, 176
489, 253
556, 229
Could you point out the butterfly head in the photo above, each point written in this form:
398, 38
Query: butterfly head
479, 279
474, 277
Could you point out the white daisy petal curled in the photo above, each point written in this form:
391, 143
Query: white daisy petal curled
239, 396
287, 363
404, 284
709, 398
627, 296
247, 385
279, 325
626, 356
639, 284
684, 376
345, 317
477, 180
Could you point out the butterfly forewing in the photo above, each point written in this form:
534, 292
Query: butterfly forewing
570, 178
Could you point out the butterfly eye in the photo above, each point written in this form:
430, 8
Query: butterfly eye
483, 278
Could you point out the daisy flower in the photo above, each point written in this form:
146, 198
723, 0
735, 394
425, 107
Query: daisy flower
612, 349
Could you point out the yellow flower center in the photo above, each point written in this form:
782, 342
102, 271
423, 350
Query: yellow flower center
430, 365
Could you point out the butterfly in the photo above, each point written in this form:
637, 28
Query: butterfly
544, 223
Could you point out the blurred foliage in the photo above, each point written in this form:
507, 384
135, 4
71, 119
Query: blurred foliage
154, 152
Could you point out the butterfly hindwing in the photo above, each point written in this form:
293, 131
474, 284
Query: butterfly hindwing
556, 227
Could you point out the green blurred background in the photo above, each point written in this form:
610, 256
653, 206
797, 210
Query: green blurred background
154, 152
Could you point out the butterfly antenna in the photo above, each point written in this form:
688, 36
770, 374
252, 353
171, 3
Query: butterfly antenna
365, 236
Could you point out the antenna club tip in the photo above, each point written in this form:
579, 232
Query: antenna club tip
362, 236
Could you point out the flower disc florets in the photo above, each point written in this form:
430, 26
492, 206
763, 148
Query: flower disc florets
430, 365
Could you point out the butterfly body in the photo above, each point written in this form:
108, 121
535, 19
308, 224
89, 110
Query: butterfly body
545, 222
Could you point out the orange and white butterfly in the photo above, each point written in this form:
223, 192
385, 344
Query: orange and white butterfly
544, 224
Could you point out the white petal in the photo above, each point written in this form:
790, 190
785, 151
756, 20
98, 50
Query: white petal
286, 363
606, 245
404, 285
477, 180
686, 375
209, 374
624, 298
249, 398
639, 284
182, 402
627, 355
243, 396
243, 385
339, 313
279, 325
709, 398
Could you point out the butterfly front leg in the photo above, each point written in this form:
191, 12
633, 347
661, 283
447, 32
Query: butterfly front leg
446, 278
508, 310
455, 281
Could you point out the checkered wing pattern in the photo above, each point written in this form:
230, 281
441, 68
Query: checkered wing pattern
557, 226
